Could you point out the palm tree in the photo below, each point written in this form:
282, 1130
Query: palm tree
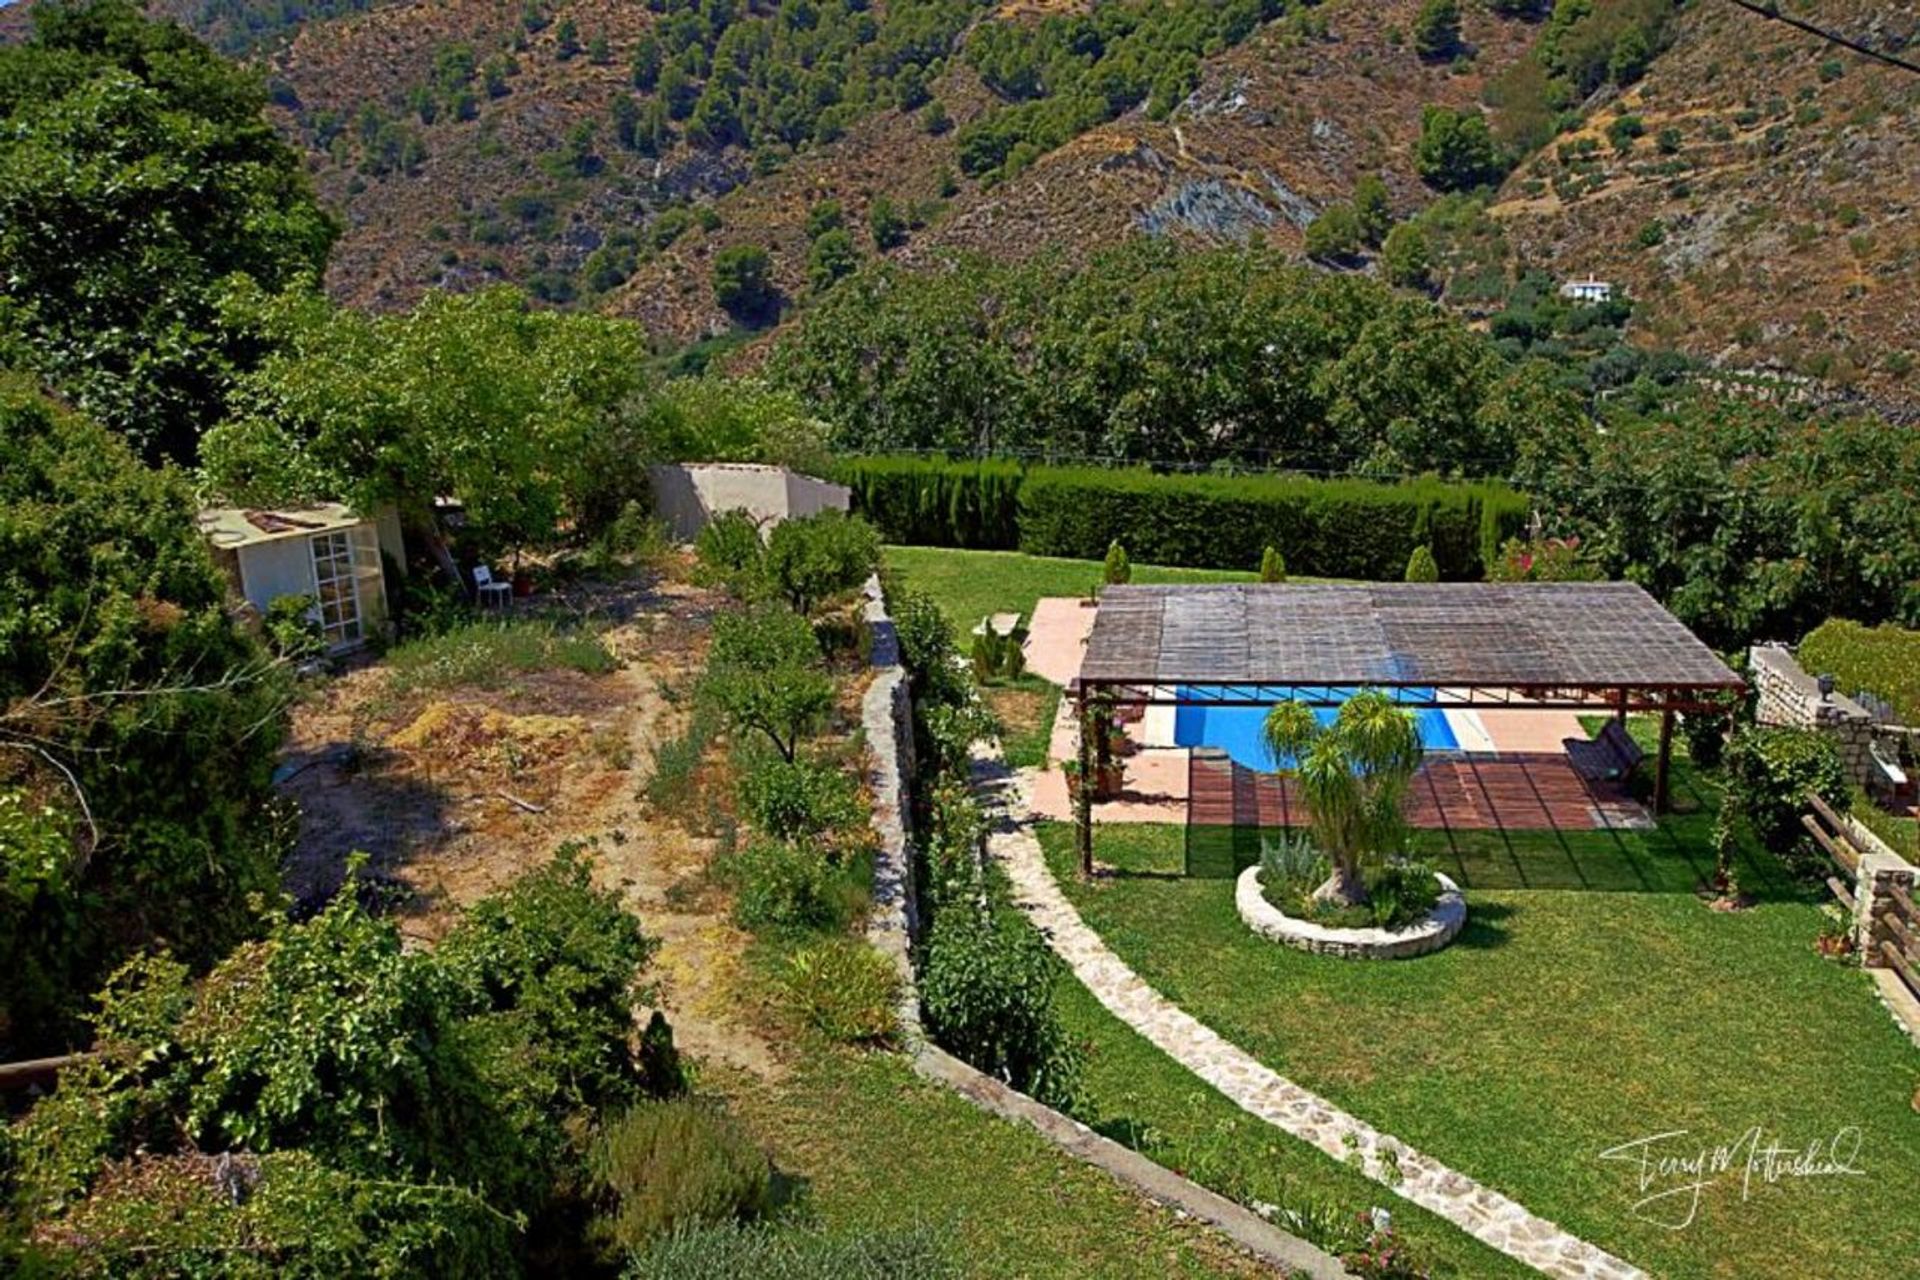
1352, 775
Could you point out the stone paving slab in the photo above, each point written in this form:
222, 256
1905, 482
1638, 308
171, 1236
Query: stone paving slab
1480, 1211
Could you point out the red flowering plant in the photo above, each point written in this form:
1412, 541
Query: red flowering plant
1543, 560
1384, 1256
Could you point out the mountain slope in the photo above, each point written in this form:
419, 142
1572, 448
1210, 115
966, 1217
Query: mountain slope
1759, 203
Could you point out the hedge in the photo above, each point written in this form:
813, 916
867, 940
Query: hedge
937, 503
1322, 528
1882, 660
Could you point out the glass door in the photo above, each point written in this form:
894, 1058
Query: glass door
334, 588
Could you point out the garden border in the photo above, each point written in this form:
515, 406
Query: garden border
1423, 937
885, 713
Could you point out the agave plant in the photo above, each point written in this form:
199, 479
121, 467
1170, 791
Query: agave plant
1351, 775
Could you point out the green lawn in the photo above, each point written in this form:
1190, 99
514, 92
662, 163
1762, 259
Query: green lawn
1592, 1000
875, 1146
1136, 1094
972, 584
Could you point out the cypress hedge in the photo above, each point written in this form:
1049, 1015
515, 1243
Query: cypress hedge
1324, 528
939, 503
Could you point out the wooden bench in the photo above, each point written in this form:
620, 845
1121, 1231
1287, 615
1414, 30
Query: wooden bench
1611, 757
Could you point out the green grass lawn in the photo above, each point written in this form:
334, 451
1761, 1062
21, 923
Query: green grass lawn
1592, 1000
1137, 1095
969, 585
875, 1146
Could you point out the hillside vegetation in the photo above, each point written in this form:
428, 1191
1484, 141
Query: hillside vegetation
1746, 183
1753, 191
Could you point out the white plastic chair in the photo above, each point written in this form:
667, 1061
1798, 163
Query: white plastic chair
497, 594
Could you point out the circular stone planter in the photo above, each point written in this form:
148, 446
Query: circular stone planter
1430, 933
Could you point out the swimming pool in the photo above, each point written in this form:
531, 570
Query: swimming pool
1237, 729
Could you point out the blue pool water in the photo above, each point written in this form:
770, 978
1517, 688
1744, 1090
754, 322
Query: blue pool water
1237, 729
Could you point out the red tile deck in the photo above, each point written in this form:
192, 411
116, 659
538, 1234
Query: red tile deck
1516, 792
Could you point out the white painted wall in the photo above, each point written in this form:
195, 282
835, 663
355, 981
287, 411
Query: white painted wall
687, 495
269, 570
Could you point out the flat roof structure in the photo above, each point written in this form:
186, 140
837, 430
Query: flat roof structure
1603, 647
1583, 645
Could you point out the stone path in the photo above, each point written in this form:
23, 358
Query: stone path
1480, 1211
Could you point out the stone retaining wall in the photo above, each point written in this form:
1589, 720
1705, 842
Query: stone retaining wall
893, 926
1790, 697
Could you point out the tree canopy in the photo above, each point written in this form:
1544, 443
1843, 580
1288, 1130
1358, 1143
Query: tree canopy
139, 180
385, 1110
1149, 354
477, 396
137, 725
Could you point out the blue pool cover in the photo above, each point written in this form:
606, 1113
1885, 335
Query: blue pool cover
1237, 729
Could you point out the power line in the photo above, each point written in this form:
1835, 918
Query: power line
1771, 11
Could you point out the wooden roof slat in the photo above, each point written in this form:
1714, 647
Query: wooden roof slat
1588, 634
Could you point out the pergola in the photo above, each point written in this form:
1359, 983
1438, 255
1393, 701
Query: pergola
1581, 646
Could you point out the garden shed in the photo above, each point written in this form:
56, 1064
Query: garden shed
328, 553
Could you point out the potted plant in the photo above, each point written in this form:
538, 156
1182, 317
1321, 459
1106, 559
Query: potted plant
1076, 779
1110, 780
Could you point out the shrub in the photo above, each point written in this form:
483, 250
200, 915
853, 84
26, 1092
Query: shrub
728, 1250
637, 536
1399, 893
1706, 734
799, 799
1335, 235
1116, 570
927, 649
1883, 660
996, 657
728, 552
1436, 29
663, 1164
1405, 258
1421, 566
486, 654
987, 982
743, 282
1774, 771
845, 990
1542, 560
292, 628
783, 886
764, 675
814, 559
1339, 528
670, 787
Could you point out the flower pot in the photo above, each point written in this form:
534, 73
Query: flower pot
1110, 781
522, 584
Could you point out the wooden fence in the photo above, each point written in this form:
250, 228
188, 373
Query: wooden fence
1879, 896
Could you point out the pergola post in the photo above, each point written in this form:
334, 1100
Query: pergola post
1083, 801
1663, 762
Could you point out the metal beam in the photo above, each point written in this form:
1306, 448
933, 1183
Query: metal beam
1602, 700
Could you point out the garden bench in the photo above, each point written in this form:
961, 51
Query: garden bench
1611, 757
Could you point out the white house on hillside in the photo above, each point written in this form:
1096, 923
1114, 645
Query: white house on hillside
1587, 290
327, 553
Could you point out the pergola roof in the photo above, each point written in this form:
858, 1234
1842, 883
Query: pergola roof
1579, 639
